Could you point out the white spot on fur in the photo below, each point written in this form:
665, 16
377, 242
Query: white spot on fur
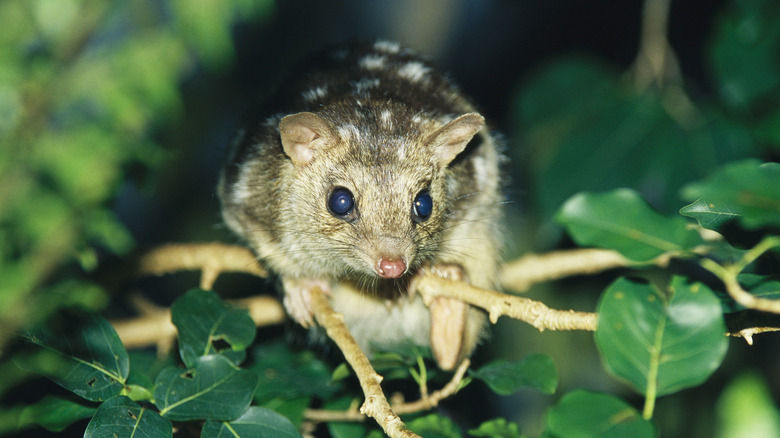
373, 62
349, 131
315, 93
417, 119
241, 192
365, 84
401, 151
389, 47
481, 171
415, 71
386, 117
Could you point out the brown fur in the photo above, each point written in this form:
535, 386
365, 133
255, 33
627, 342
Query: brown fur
376, 113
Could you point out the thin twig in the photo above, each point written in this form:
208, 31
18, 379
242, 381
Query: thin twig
735, 290
728, 275
425, 403
433, 400
376, 404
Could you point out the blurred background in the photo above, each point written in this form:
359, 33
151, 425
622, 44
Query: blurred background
114, 117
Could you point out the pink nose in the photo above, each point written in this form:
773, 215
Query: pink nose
390, 268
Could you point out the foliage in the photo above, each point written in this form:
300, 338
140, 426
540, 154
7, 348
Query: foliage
85, 88
208, 384
83, 101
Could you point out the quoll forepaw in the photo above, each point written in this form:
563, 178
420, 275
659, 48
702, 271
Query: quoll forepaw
449, 271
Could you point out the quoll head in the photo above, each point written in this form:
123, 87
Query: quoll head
370, 200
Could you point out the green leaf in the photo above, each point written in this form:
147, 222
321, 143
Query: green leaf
434, 426
400, 361
708, 214
658, 342
623, 221
749, 188
292, 409
498, 428
584, 414
54, 414
584, 129
256, 422
746, 409
207, 326
534, 371
213, 390
121, 416
743, 54
286, 374
145, 366
90, 358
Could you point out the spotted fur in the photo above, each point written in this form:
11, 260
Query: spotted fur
381, 103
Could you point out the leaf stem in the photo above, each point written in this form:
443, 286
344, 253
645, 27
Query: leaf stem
728, 275
751, 255
423, 377
652, 372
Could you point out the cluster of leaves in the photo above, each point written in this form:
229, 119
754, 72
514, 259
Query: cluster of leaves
589, 128
583, 125
137, 393
661, 339
658, 339
84, 87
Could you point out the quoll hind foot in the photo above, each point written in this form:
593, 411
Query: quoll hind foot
297, 298
448, 320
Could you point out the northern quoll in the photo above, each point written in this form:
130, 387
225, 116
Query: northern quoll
369, 168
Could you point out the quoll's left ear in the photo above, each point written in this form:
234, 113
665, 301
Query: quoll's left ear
450, 140
303, 136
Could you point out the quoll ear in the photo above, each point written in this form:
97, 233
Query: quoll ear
450, 140
303, 134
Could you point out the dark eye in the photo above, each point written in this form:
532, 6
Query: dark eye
423, 206
341, 202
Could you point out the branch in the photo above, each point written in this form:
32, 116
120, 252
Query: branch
211, 259
728, 275
498, 304
376, 404
517, 275
521, 274
656, 64
747, 323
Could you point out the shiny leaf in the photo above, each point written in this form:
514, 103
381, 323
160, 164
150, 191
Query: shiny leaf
207, 325
256, 422
584, 414
535, 371
214, 389
121, 416
660, 342
621, 220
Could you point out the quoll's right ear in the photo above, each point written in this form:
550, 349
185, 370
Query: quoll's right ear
303, 134
451, 139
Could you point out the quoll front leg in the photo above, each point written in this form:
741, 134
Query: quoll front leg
297, 298
448, 320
